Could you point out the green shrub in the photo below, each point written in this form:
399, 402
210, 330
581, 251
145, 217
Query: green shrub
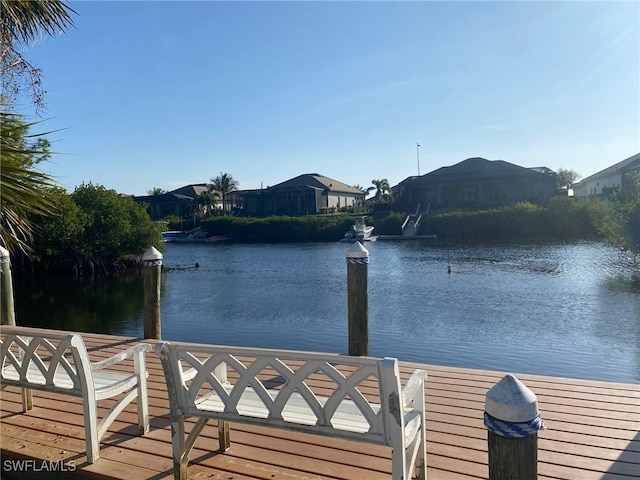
173, 222
563, 219
391, 224
308, 228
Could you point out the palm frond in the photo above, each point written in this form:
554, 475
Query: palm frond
24, 190
24, 20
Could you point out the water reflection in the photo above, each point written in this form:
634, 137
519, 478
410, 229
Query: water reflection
110, 305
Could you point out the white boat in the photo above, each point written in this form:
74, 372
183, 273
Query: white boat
360, 231
172, 235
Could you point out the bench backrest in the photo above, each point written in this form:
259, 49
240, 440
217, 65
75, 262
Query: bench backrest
44, 361
194, 372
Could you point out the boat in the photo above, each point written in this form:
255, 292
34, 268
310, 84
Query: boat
172, 235
360, 232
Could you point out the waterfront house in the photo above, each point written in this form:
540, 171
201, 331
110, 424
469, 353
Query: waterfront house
605, 182
305, 194
176, 202
477, 182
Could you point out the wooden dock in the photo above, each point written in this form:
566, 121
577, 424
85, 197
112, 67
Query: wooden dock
593, 432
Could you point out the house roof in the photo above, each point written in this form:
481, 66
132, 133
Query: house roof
315, 180
479, 168
163, 197
191, 191
626, 165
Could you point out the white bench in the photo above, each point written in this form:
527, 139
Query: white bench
356, 398
34, 359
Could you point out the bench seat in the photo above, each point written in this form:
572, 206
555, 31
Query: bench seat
104, 382
347, 416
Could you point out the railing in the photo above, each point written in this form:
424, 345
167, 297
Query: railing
417, 223
404, 225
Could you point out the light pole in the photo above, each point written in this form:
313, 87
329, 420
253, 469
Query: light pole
418, 156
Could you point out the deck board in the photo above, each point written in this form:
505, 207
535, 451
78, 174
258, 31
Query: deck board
593, 433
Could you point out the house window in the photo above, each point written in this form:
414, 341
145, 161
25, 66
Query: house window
471, 195
495, 193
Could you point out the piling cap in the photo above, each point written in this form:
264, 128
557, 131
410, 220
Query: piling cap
151, 254
511, 401
357, 251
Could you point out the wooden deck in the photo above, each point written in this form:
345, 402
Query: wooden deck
593, 432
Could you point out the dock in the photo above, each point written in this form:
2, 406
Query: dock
431, 236
593, 432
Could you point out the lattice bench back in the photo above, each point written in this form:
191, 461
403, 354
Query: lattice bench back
50, 362
36, 359
351, 397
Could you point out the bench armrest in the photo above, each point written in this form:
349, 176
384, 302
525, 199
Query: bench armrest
415, 383
141, 347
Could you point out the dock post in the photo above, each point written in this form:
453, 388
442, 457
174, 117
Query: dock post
151, 273
358, 299
7, 312
512, 420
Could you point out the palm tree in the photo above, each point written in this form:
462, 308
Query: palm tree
206, 201
224, 184
24, 190
156, 191
382, 188
23, 22
566, 178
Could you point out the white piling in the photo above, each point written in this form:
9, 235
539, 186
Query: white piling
512, 420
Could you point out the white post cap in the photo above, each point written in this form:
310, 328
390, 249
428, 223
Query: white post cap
511, 401
357, 251
151, 255
4, 252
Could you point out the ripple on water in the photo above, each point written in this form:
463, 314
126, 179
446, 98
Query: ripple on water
563, 310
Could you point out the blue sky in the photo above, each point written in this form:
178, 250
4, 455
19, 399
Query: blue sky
163, 94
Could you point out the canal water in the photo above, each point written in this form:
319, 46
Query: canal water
562, 310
